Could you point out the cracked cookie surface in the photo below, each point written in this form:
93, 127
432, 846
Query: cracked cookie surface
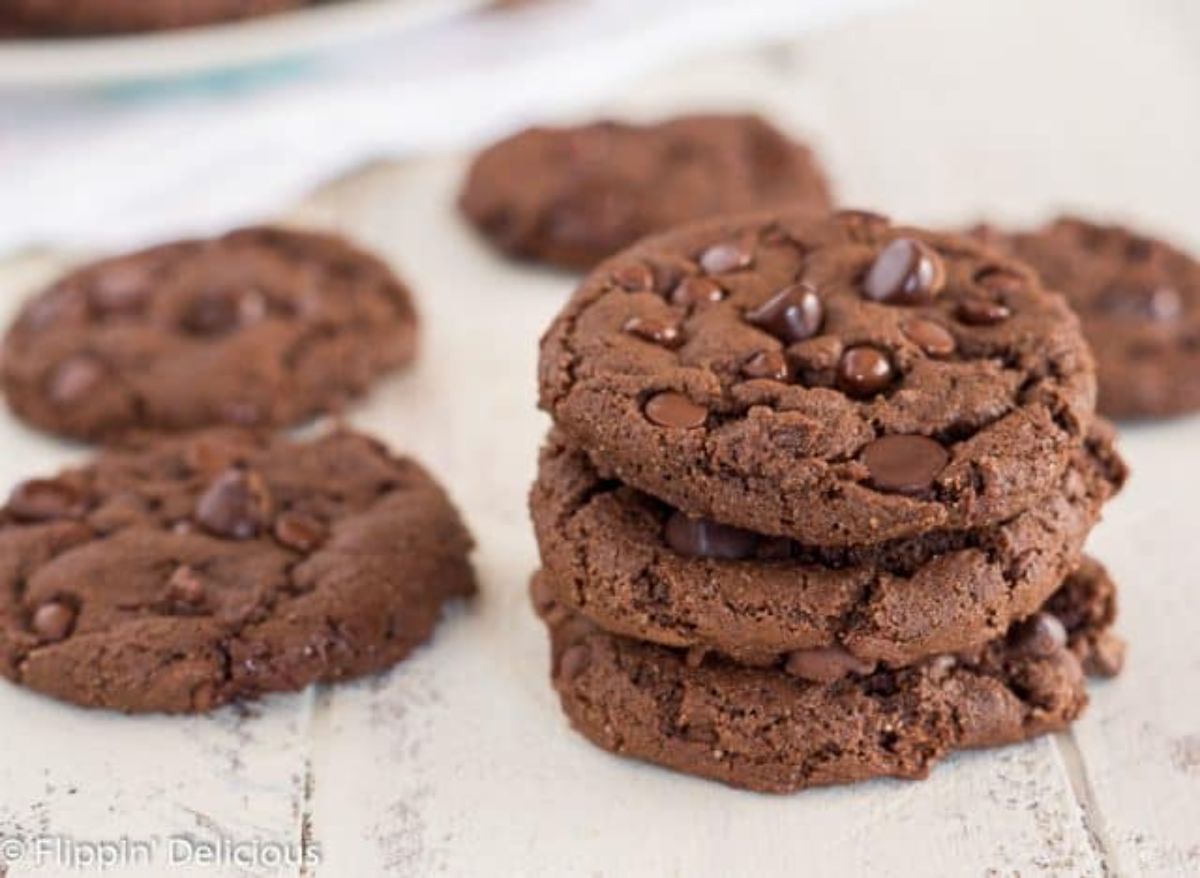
634, 567
1139, 301
261, 327
180, 574
572, 196
765, 729
838, 381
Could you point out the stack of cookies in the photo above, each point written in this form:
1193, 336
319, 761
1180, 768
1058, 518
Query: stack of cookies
814, 503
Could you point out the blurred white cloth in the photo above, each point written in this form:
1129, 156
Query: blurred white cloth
121, 166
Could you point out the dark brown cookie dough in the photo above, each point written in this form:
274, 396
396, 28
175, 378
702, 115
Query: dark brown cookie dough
572, 196
179, 574
635, 567
839, 381
1139, 301
767, 730
261, 327
126, 16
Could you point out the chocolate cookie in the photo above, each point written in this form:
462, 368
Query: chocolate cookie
179, 574
1139, 300
572, 196
119, 16
259, 327
839, 381
769, 730
635, 567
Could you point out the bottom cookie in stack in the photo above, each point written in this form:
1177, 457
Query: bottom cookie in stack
767, 729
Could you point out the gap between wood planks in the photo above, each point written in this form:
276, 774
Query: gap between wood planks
1094, 825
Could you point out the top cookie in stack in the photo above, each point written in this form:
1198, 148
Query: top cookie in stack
833, 474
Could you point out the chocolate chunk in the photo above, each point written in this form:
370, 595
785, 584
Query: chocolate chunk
237, 505
864, 371
906, 272
701, 538
654, 329
904, 464
982, 312
697, 291
1105, 656
210, 314
791, 315
574, 661
726, 257
670, 409
634, 278
299, 531
1000, 280
825, 664
45, 500
933, 338
185, 586
52, 621
1039, 636
766, 364
74, 379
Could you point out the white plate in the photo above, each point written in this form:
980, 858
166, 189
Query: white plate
97, 61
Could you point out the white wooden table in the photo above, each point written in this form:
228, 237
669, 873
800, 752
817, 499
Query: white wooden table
459, 762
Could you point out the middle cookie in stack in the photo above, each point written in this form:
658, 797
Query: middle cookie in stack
814, 500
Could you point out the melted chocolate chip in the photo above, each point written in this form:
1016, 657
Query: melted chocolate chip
237, 505
697, 291
932, 338
670, 409
299, 531
45, 500
634, 278
904, 464
864, 371
74, 379
1040, 636
53, 620
766, 364
791, 315
702, 538
726, 257
906, 272
825, 664
654, 329
982, 312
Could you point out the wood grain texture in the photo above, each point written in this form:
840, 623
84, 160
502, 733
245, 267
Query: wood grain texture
459, 761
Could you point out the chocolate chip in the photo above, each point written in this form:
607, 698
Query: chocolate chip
211, 314
1157, 303
933, 338
53, 620
74, 378
1106, 656
904, 464
119, 289
1000, 280
300, 531
825, 664
697, 291
726, 257
185, 586
45, 500
906, 272
670, 409
635, 278
791, 315
864, 371
766, 364
237, 505
654, 329
574, 661
1040, 636
981, 312
702, 538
